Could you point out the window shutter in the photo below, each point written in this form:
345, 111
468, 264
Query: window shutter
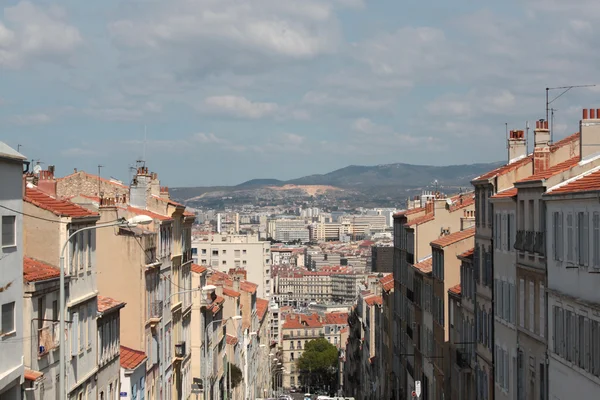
555, 235
506, 302
596, 240
542, 310
74, 334
570, 243
586, 239
522, 303
561, 237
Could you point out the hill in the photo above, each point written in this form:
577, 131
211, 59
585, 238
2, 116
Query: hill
379, 184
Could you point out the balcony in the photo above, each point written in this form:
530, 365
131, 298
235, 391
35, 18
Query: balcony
155, 310
48, 338
187, 256
462, 360
529, 244
539, 246
180, 350
520, 241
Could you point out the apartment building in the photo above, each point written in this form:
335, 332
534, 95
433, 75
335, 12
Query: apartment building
133, 375
224, 252
40, 322
47, 223
457, 365
286, 229
573, 254
11, 264
158, 315
109, 347
382, 258
386, 344
414, 230
466, 359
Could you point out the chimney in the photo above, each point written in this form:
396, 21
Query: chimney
164, 192
236, 283
47, 182
589, 126
541, 151
140, 188
155, 188
517, 146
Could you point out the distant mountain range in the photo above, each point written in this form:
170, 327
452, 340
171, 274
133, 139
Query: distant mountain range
388, 180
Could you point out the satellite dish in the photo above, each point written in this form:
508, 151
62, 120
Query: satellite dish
449, 202
37, 169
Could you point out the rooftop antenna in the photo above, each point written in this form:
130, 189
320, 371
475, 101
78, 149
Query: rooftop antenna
99, 194
527, 136
19, 147
506, 133
566, 89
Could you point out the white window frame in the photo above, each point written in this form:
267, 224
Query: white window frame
6, 222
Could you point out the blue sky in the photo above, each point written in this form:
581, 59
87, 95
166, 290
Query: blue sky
230, 90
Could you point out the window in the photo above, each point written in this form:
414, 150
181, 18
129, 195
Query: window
83, 321
570, 248
531, 306
522, 303
542, 310
134, 392
91, 324
8, 318
583, 238
596, 239
9, 235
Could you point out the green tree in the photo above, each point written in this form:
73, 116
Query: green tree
318, 365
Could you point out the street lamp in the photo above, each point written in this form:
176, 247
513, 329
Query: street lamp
121, 222
206, 375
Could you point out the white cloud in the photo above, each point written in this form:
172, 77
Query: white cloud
29, 33
374, 138
238, 106
31, 119
201, 37
77, 152
208, 138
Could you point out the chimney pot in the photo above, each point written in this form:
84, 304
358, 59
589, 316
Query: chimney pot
585, 114
598, 113
592, 113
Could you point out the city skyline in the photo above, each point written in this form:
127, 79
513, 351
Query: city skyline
280, 90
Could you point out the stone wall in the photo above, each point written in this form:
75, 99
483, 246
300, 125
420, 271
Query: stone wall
86, 184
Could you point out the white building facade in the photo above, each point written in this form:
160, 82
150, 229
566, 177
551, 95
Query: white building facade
11, 265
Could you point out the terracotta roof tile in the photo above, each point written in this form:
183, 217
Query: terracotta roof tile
106, 303
31, 375
453, 238
148, 213
387, 282
215, 306
373, 299
467, 254
34, 271
455, 289
425, 266
302, 321
60, 207
230, 339
504, 169
421, 220
336, 318
262, 306
512, 192
131, 358
199, 269
563, 142
586, 182
169, 201
415, 210
231, 293
248, 287
553, 170
463, 201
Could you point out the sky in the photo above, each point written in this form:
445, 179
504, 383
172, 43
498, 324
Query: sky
216, 92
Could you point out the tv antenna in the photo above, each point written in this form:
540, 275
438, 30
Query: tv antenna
564, 89
99, 166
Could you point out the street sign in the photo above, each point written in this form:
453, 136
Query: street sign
418, 388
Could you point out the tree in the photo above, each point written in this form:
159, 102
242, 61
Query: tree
318, 364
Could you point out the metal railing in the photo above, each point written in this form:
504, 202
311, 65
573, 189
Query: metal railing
540, 243
180, 350
462, 359
155, 309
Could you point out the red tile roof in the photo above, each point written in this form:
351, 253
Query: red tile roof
31, 375
148, 213
107, 303
467, 254
336, 318
34, 271
425, 266
453, 238
302, 321
189, 214
421, 220
563, 142
169, 201
131, 358
586, 182
215, 306
387, 282
504, 169
60, 207
262, 306
461, 201
199, 269
230, 292
455, 289
512, 192
553, 170
248, 287
373, 299
230, 339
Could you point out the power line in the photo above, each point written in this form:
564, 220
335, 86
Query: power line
33, 216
